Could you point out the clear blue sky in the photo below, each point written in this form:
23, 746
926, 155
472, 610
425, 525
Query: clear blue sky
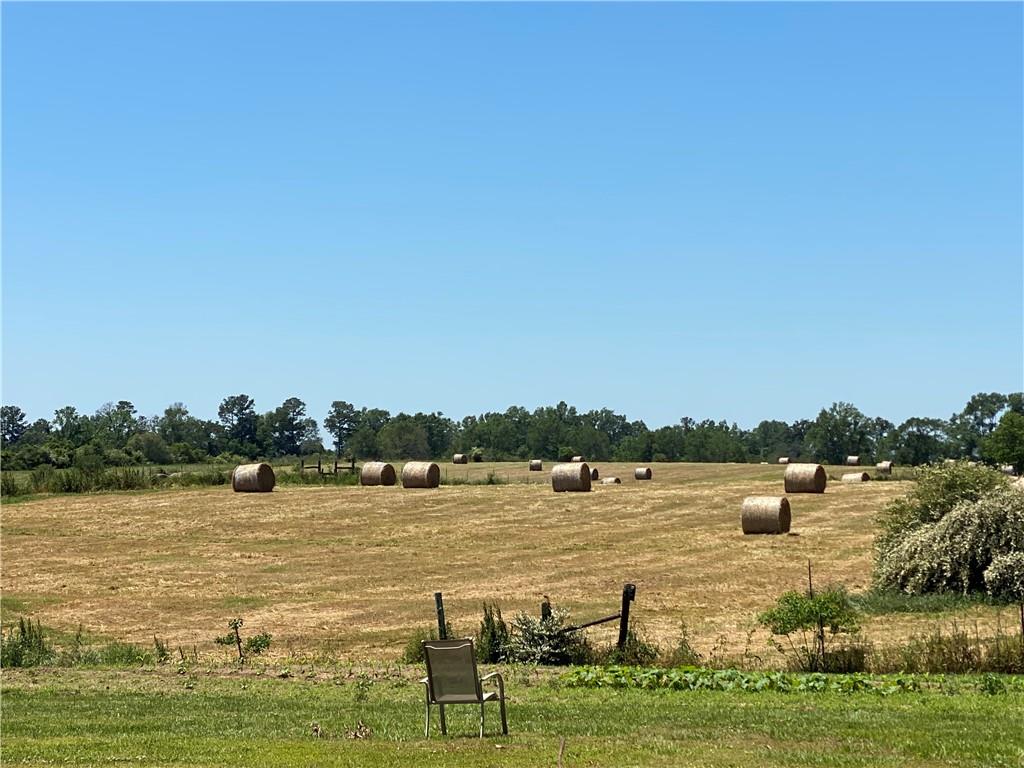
726, 211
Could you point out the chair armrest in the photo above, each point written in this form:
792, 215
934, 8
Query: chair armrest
501, 682
425, 680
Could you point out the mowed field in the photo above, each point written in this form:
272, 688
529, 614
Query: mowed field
350, 572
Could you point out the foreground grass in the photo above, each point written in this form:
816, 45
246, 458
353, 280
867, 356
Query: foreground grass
159, 717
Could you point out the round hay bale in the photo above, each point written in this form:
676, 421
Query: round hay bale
377, 473
253, 478
611, 481
421, 474
642, 473
765, 514
856, 477
460, 458
805, 478
884, 467
576, 458
783, 459
594, 474
853, 461
536, 465
570, 477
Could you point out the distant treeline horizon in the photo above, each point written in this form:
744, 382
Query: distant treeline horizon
989, 428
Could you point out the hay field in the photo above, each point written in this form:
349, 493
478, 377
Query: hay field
350, 571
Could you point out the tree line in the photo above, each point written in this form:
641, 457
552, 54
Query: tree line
989, 428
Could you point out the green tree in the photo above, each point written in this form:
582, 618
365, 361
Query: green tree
403, 438
921, 441
838, 432
288, 427
237, 415
151, 447
1006, 443
341, 421
116, 423
71, 425
977, 421
13, 424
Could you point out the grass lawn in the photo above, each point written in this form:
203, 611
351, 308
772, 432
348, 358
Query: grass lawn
158, 717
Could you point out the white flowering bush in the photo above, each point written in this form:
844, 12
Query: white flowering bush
945, 536
1004, 578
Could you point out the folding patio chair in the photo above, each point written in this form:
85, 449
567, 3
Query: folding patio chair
452, 679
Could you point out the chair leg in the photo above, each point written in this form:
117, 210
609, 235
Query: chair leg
481, 719
504, 721
444, 722
426, 726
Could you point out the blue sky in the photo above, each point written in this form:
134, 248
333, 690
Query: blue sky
727, 211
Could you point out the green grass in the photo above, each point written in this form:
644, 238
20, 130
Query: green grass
877, 602
203, 719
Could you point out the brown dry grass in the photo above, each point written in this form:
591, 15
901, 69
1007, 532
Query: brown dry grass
351, 571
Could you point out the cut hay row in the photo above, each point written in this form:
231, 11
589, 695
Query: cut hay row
570, 477
805, 478
765, 514
377, 473
253, 478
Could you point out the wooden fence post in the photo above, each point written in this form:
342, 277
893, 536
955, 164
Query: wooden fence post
442, 632
628, 595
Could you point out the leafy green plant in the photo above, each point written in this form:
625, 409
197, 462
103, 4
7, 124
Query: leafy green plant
234, 637
690, 679
257, 644
803, 620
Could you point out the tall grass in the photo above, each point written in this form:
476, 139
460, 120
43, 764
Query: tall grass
46, 479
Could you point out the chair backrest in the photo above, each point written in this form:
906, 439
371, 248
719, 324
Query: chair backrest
451, 670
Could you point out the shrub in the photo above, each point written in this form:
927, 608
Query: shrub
637, 651
1004, 578
493, 636
939, 489
803, 621
953, 553
413, 652
546, 641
